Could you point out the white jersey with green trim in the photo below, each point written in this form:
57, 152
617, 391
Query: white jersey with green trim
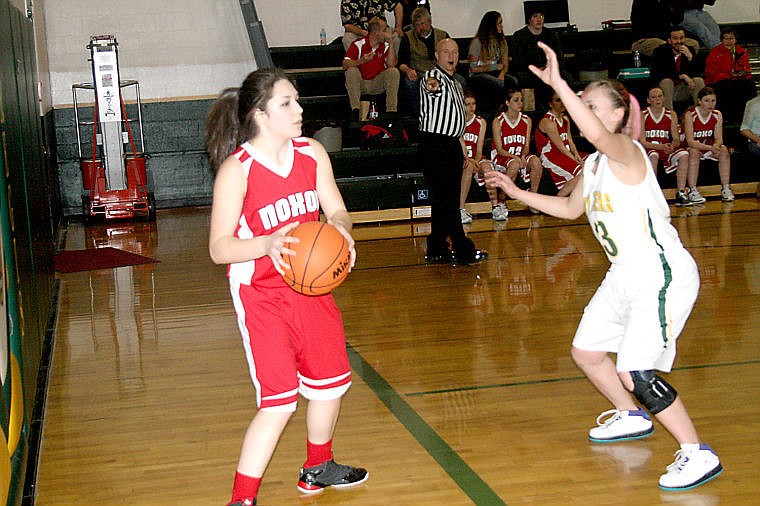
631, 222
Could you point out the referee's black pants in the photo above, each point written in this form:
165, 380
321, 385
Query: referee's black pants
442, 161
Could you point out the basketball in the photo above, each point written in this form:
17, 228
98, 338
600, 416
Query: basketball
321, 261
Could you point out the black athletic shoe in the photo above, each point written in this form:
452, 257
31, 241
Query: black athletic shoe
315, 479
478, 256
244, 502
443, 258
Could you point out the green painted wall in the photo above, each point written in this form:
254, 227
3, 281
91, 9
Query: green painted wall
30, 189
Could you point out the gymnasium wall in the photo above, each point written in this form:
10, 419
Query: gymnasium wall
28, 213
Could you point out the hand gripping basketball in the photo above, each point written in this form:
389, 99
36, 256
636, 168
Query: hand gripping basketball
322, 259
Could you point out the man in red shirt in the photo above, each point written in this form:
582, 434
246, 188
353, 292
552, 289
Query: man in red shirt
370, 65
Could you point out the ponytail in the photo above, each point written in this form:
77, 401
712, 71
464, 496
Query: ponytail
222, 127
230, 121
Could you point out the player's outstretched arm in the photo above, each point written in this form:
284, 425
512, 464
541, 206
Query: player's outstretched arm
569, 207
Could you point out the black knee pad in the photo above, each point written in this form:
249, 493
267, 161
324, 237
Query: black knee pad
652, 391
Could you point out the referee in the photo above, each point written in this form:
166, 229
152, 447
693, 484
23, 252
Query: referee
441, 148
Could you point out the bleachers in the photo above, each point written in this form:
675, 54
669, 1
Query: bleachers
386, 184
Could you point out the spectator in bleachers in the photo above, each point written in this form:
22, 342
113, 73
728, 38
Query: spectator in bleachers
489, 62
698, 21
355, 16
674, 70
661, 137
727, 71
555, 146
703, 128
416, 55
525, 50
403, 12
650, 19
750, 127
370, 65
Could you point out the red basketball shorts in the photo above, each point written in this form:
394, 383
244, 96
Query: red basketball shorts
294, 344
561, 167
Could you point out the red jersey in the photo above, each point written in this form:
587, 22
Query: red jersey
543, 143
657, 130
704, 129
274, 197
372, 68
472, 132
513, 135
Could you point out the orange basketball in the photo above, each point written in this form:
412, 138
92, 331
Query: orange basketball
321, 261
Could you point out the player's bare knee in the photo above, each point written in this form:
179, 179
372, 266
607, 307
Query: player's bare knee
586, 358
652, 391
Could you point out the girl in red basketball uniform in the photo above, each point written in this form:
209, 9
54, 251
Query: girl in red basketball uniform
472, 142
294, 344
556, 147
511, 143
662, 140
703, 128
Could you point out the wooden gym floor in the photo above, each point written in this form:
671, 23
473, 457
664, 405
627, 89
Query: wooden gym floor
464, 391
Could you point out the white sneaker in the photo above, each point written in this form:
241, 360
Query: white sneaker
466, 217
727, 194
614, 425
695, 197
500, 212
695, 464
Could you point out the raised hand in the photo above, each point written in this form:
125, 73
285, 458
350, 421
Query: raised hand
549, 74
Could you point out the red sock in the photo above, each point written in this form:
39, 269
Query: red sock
318, 454
245, 487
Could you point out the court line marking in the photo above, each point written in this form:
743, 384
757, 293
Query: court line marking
566, 378
462, 474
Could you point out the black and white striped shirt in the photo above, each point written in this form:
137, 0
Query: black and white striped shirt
442, 111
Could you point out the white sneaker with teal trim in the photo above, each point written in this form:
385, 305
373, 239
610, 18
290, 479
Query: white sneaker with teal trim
695, 464
615, 425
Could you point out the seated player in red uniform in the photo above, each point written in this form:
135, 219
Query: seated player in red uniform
556, 147
703, 128
662, 139
510, 146
474, 165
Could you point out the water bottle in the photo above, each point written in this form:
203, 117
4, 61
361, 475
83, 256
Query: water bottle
372, 110
322, 37
636, 59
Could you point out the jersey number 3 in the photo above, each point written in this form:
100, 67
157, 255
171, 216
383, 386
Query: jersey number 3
607, 243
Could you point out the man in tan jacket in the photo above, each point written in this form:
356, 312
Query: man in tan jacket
416, 55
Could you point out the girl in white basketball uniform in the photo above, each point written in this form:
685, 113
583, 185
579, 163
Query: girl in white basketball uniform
294, 343
648, 292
